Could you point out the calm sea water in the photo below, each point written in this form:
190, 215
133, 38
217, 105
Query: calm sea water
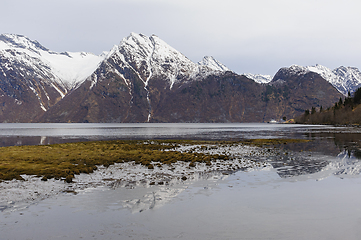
312, 192
48, 133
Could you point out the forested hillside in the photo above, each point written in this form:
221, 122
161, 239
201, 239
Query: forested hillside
345, 111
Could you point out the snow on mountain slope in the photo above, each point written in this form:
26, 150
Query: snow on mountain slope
258, 78
156, 57
163, 60
72, 67
67, 69
151, 56
348, 79
344, 79
19, 42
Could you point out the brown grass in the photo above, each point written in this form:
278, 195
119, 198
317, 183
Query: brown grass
63, 161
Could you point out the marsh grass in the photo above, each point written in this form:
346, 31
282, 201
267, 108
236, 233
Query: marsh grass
63, 161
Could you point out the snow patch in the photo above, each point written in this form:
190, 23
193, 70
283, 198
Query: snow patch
40, 101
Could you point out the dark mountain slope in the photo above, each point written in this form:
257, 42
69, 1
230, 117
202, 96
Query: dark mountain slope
222, 98
226, 97
345, 111
292, 91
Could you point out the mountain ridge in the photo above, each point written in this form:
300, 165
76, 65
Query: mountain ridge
344, 79
142, 79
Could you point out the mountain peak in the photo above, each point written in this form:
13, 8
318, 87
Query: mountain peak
19, 41
151, 56
213, 64
297, 69
66, 69
285, 72
138, 44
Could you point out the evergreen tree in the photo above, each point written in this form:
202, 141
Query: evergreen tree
357, 96
313, 110
340, 102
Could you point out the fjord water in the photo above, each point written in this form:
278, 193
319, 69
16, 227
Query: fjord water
310, 191
49, 133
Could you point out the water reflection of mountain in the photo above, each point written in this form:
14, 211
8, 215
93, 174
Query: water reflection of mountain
345, 164
349, 164
159, 195
293, 166
6, 141
333, 153
334, 142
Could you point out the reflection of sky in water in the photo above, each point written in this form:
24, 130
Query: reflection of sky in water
253, 205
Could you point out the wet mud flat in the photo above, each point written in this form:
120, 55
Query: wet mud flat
209, 159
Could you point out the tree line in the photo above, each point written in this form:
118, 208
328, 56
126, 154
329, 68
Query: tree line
346, 111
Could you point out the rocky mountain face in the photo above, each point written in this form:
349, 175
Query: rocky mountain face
294, 89
27, 88
344, 79
33, 78
130, 83
143, 79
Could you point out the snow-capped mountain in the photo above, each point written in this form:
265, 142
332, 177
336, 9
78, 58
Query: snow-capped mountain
143, 79
66, 69
344, 79
151, 56
145, 68
33, 78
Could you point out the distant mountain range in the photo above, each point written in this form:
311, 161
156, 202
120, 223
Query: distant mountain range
143, 79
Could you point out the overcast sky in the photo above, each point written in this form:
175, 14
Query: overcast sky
254, 36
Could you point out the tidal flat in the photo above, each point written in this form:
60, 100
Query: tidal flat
32, 173
263, 185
